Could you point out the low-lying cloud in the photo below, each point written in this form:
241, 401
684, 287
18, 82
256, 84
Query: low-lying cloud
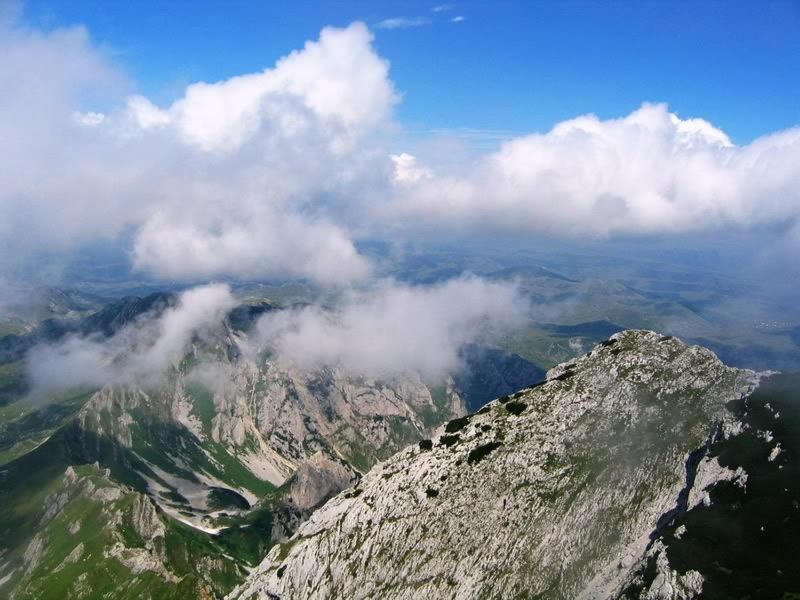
394, 329
271, 243
140, 352
384, 330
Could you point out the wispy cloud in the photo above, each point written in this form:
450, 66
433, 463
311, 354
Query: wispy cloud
403, 22
138, 352
442, 8
472, 134
458, 19
394, 328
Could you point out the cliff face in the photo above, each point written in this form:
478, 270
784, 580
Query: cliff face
223, 455
264, 427
211, 466
562, 490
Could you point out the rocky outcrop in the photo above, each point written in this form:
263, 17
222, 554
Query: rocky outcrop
219, 425
133, 533
299, 413
558, 491
318, 479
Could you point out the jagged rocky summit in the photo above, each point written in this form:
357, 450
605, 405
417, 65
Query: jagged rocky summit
585, 486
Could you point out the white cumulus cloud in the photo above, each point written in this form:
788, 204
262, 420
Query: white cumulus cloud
276, 173
139, 352
234, 178
406, 169
647, 173
337, 83
394, 328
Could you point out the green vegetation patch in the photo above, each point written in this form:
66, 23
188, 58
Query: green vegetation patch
516, 408
12, 382
457, 424
202, 404
477, 454
23, 425
449, 440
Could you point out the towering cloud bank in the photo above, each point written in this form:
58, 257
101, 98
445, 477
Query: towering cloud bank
277, 141
234, 178
649, 172
270, 173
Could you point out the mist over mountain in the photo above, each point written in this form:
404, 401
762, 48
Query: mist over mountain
469, 300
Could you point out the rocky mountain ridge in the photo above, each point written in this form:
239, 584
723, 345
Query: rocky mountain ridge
575, 488
245, 464
608, 477
230, 452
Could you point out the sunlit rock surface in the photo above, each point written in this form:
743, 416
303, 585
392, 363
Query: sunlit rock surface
558, 491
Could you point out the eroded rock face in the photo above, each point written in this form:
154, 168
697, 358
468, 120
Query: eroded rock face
559, 490
317, 479
298, 413
242, 423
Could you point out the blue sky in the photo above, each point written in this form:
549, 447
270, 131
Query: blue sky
515, 67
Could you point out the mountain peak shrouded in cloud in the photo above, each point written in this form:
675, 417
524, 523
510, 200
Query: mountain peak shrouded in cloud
395, 329
386, 330
138, 352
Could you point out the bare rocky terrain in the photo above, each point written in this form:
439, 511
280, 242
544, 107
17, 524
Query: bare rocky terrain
562, 490
643, 469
